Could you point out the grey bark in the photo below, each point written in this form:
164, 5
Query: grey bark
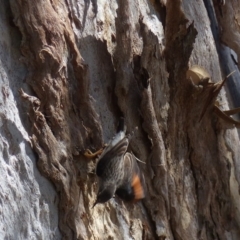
69, 70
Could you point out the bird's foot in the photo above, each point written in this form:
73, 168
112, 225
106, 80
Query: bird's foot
89, 154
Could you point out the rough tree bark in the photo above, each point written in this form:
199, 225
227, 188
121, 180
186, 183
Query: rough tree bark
70, 69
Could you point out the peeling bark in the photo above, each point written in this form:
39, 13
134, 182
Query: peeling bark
90, 62
64, 122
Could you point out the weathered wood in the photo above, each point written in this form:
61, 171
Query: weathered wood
90, 62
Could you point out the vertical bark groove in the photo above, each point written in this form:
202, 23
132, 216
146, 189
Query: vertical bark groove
90, 62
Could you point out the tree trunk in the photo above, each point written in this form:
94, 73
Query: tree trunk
71, 69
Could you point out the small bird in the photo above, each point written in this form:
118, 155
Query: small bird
118, 171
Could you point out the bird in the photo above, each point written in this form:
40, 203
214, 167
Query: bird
118, 172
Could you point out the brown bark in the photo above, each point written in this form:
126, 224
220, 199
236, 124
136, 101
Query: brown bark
88, 64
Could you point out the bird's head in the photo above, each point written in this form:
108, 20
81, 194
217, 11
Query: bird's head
105, 193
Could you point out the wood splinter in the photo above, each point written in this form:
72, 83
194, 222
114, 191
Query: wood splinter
199, 76
225, 115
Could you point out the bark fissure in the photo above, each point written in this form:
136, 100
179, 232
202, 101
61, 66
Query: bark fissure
90, 62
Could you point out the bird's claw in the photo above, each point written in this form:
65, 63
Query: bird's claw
89, 154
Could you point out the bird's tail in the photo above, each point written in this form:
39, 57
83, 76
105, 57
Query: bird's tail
122, 128
121, 125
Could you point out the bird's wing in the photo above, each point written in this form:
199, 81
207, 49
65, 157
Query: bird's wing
112, 153
133, 184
